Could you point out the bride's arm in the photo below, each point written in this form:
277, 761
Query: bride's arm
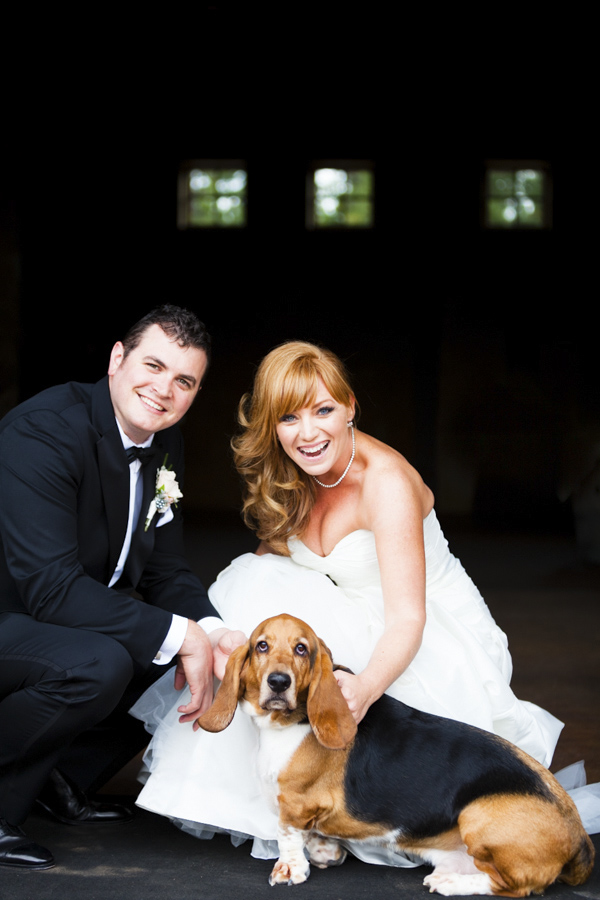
394, 511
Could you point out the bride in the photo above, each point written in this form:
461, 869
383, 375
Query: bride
349, 542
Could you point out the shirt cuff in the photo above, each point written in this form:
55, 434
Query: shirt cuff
176, 636
173, 641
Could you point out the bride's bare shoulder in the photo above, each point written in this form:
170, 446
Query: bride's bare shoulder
388, 470
380, 457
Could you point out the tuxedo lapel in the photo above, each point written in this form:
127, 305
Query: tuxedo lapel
113, 470
114, 478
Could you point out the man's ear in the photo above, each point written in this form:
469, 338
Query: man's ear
117, 355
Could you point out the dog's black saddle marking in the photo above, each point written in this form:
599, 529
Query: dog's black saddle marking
416, 772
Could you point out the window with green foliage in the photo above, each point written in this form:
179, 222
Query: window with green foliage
517, 196
212, 195
340, 197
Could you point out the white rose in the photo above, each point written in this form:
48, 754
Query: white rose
166, 492
166, 482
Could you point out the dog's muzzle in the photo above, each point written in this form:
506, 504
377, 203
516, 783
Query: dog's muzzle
278, 683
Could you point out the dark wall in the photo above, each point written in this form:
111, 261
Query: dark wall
471, 350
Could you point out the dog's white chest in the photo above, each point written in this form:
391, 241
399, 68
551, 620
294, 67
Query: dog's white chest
276, 747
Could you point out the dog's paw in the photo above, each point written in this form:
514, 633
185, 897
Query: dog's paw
294, 872
324, 852
449, 884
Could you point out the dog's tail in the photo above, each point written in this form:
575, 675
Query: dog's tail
579, 868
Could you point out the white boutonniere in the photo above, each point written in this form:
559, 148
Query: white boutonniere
166, 492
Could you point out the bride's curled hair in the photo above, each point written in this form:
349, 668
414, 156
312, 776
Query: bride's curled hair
278, 495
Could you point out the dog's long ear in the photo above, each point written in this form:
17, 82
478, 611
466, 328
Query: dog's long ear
328, 713
220, 714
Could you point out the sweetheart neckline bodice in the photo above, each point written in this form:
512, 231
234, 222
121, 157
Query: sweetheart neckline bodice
335, 547
350, 534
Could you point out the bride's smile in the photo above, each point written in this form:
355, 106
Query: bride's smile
317, 436
314, 452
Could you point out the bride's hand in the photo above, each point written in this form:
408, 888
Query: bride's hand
354, 692
223, 647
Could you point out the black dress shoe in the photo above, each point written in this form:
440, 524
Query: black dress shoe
67, 803
18, 852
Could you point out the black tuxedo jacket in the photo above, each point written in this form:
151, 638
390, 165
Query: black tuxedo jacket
64, 500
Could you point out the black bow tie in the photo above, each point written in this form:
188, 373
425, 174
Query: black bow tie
144, 454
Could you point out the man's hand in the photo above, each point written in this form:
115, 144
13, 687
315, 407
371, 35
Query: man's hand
195, 667
200, 655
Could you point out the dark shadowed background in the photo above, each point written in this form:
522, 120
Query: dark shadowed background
473, 351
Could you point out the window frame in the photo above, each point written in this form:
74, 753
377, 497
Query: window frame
347, 165
515, 165
184, 194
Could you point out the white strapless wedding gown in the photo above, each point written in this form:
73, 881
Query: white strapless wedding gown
207, 782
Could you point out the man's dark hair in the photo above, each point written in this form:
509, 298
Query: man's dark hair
177, 323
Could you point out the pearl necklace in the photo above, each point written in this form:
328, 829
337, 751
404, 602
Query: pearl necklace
347, 467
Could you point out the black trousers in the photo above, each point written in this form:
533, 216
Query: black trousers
64, 696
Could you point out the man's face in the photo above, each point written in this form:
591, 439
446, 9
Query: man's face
155, 384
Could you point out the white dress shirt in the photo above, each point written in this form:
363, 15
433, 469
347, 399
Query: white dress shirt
176, 633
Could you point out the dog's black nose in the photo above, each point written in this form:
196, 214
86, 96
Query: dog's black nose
279, 682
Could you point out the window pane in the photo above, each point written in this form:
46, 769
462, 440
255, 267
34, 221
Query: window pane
501, 213
500, 184
359, 212
361, 182
529, 182
530, 211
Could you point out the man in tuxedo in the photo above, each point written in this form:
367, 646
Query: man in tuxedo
96, 596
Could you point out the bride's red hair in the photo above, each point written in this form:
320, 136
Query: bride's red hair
278, 496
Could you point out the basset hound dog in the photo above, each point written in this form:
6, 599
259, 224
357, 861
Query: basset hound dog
488, 817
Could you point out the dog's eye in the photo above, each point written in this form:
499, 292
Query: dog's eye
262, 646
301, 649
